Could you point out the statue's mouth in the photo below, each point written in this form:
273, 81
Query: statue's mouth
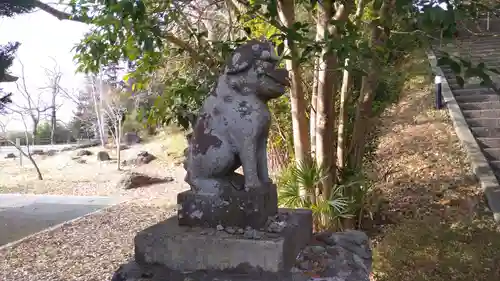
280, 76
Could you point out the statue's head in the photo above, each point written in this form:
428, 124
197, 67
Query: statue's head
253, 69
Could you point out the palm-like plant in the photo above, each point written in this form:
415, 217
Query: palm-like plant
344, 202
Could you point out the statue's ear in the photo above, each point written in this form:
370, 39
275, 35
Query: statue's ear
241, 60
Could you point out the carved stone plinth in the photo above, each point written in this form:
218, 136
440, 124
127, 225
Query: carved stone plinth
189, 249
238, 208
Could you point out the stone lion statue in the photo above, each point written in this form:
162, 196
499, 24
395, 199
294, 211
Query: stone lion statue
232, 127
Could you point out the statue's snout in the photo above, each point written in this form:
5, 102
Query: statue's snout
280, 75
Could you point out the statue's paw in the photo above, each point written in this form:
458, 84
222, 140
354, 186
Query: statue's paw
253, 186
267, 182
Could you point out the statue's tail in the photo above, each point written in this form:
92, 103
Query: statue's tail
186, 153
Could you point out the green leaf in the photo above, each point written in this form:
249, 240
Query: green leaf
455, 67
280, 48
494, 70
470, 72
465, 63
248, 30
460, 81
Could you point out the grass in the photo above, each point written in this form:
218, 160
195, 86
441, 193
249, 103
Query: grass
168, 145
433, 249
435, 224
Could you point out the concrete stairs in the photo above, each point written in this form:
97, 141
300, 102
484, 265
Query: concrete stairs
480, 105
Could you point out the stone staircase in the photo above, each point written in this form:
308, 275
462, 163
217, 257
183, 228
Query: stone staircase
479, 105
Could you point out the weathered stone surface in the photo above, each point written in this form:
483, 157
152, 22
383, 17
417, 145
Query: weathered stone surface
37, 152
51, 152
80, 161
103, 156
131, 271
144, 157
10, 156
237, 208
190, 249
84, 152
343, 256
131, 180
233, 124
130, 138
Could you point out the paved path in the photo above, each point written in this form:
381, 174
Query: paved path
22, 214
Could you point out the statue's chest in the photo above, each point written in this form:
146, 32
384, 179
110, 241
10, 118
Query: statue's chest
252, 111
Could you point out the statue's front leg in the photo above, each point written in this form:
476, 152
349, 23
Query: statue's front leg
248, 157
262, 167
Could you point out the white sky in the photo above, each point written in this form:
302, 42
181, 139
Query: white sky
42, 36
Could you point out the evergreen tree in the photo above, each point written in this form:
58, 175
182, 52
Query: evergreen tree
9, 8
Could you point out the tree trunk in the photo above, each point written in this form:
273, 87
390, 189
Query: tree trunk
27, 155
53, 123
34, 132
98, 108
342, 144
118, 133
324, 102
328, 85
312, 114
369, 85
300, 124
363, 116
341, 130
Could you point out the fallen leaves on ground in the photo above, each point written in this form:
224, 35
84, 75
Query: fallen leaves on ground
440, 227
89, 249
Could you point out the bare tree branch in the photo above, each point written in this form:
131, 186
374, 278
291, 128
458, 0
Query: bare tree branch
27, 154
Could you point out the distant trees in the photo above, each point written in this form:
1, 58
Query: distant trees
61, 134
32, 105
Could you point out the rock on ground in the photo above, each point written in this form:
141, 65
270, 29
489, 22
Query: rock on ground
37, 152
83, 152
134, 180
340, 256
10, 156
103, 156
131, 138
80, 161
142, 158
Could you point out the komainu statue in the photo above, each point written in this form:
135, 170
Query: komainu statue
232, 127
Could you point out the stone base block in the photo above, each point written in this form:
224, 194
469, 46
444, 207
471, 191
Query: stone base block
184, 249
238, 208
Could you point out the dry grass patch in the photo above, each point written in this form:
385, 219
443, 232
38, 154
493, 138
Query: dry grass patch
64, 175
173, 141
437, 227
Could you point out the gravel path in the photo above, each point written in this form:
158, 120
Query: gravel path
89, 249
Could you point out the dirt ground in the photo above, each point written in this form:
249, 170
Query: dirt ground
437, 226
63, 175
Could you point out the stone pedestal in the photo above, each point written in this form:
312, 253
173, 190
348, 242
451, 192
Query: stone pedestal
237, 208
189, 249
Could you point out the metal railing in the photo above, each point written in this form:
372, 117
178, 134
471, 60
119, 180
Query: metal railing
40, 145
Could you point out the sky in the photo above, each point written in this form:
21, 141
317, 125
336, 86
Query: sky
42, 38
